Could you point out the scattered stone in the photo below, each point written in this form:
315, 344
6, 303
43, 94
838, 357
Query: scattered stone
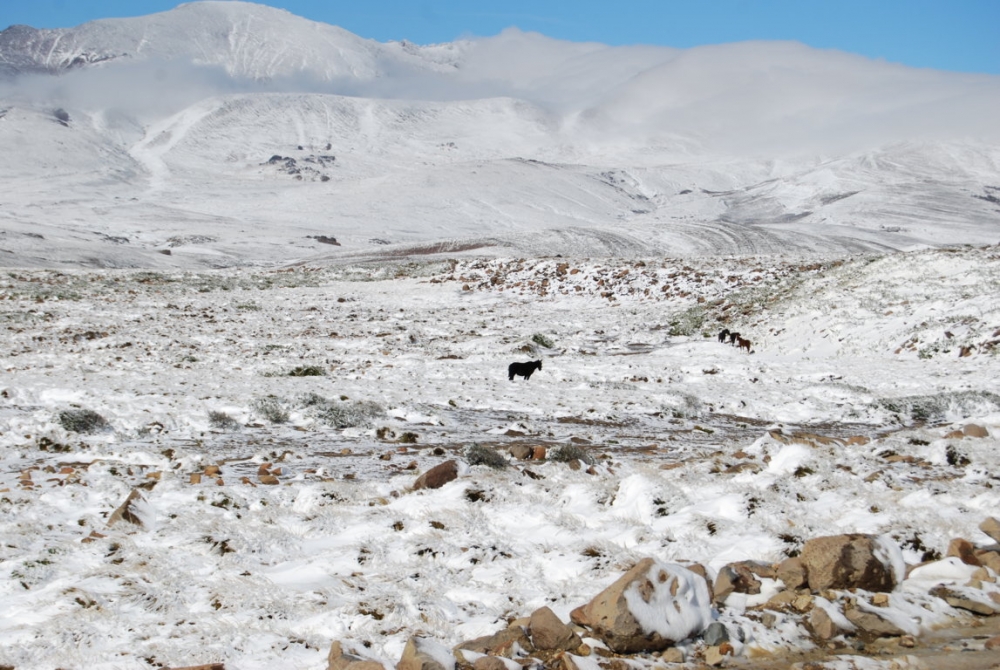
741, 577
521, 452
437, 476
715, 634
268, 480
792, 573
716, 656
549, 633
823, 625
337, 659
872, 624
964, 550
992, 643
504, 643
963, 602
846, 562
991, 526
488, 663
672, 655
129, 511
975, 430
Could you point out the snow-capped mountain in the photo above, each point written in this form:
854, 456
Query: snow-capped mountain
228, 133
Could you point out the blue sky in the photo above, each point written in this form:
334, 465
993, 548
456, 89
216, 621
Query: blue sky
959, 35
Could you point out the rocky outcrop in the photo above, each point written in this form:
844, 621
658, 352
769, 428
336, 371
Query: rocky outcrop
437, 476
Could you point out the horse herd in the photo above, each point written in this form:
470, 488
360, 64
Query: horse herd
526, 369
734, 339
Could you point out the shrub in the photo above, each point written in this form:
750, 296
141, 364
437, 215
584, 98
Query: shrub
343, 413
477, 454
271, 408
222, 421
571, 452
542, 341
308, 371
83, 421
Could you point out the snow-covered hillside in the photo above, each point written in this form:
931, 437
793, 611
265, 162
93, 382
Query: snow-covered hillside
258, 133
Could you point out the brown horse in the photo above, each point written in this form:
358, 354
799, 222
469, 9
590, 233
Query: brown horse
743, 344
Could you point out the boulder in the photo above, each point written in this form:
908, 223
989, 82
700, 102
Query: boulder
437, 476
823, 625
848, 562
975, 430
337, 659
872, 624
549, 633
489, 663
649, 608
423, 654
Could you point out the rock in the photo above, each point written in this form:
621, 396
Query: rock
716, 656
872, 623
672, 655
974, 430
741, 577
503, 643
964, 550
846, 562
547, 632
822, 624
715, 634
649, 608
338, 660
992, 643
521, 452
991, 526
989, 559
423, 654
129, 511
792, 573
963, 602
489, 663
954, 435
437, 476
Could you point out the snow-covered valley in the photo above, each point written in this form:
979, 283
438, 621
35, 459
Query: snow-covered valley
322, 392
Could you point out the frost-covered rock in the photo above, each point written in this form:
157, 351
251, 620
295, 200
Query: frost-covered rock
851, 561
649, 608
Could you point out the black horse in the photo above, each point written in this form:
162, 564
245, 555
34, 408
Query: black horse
733, 337
723, 335
523, 369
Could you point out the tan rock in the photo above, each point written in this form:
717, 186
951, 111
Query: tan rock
845, 562
129, 510
992, 643
954, 435
503, 643
212, 471
989, 559
437, 476
963, 602
872, 623
337, 659
423, 654
716, 656
547, 632
672, 655
975, 430
268, 480
991, 526
823, 625
792, 573
489, 663
964, 550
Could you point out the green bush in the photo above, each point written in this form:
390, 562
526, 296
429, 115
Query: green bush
542, 341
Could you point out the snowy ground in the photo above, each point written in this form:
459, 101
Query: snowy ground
692, 442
